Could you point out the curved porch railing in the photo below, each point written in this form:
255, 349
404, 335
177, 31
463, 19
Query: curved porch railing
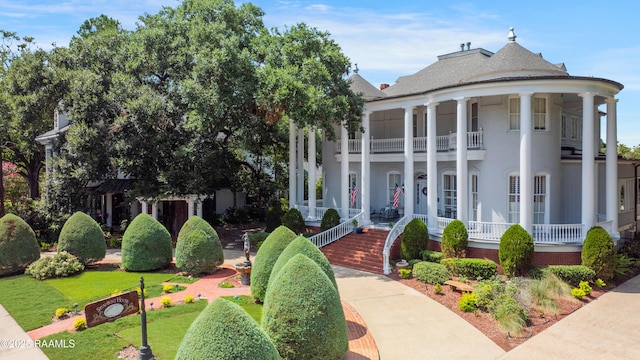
328, 236
396, 230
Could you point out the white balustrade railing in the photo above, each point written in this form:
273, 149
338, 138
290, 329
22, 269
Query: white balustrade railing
558, 233
396, 145
442, 223
396, 230
328, 236
487, 231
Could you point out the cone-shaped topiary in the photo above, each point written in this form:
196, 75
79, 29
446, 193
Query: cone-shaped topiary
455, 239
223, 330
293, 220
266, 257
302, 313
82, 237
330, 219
302, 245
18, 245
599, 253
198, 249
415, 238
146, 245
516, 250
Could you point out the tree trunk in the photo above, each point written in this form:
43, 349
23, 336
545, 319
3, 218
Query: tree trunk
33, 181
1, 185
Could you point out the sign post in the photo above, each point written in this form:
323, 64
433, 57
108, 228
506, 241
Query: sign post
145, 350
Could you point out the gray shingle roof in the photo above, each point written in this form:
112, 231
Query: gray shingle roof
361, 86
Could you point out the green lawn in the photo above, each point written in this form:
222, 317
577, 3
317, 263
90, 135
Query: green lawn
166, 328
249, 305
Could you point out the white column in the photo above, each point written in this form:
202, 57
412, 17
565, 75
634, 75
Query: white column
311, 157
199, 208
145, 206
612, 167
588, 161
154, 210
300, 186
190, 206
526, 176
292, 163
432, 166
345, 197
109, 206
408, 161
462, 171
365, 175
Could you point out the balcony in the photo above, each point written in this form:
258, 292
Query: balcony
396, 145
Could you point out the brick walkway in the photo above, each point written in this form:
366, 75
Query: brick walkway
361, 343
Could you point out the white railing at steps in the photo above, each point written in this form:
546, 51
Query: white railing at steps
328, 236
396, 231
396, 145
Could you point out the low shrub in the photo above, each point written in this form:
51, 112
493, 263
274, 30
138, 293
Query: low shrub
487, 292
584, 286
60, 312
168, 288
293, 220
454, 239
438, 288
404, 273
599, 253
471, 268
511, 317
578, 293
415, 239
80, 324
226, 285
115, 242
166, 302
571, 274
431, 273
600, 283
515, 250
330, 219
188, 299
623, 265
256, 237
433, 256
467, 302
60, 265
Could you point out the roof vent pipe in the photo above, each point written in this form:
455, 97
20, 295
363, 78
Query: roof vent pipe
469, 46
462, 47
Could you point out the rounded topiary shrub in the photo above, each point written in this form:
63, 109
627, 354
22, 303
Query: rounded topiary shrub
266, 257
223, 330
302, 245
455, 239
415, 239
599, 253
330, 219
146, 245
516, 251
82, 237
18, 245
431, 273
294, 221
302, 313
198, 248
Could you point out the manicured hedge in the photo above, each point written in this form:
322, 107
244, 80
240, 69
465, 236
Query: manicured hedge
302, 245
302, 313
571, 274
82, 237
330, 219
516, 250
433, 256
599, 253
266, 257
454, 239
431, 273
223, 330
471, 268
146, 245
415, 238
293, 220
18, 245
198, 248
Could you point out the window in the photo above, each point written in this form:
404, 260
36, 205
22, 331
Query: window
415, 125
474, 198
626, 197
394, 180
565, 126
540, 113
449, 189
473, 126
513, 212
353, 185
539, 199
514, 113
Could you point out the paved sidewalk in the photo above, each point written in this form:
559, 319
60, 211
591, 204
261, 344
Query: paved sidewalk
15, 344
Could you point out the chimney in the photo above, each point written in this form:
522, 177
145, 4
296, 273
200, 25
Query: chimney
383, 86
469, 46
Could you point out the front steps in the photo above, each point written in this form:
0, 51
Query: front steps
358, 251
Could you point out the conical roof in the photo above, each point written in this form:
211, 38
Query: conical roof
359, 85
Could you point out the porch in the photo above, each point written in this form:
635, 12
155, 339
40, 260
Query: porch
396, 145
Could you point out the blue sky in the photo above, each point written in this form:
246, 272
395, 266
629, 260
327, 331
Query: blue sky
388, 39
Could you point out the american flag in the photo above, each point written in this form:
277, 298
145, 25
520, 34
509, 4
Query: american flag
396, 197
354, 194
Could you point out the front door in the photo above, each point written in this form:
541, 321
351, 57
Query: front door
421, 195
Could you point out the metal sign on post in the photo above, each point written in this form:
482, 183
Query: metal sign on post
112, 308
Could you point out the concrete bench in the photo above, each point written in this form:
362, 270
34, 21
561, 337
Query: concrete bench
459, 286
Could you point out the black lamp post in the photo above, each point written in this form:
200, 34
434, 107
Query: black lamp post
145, 350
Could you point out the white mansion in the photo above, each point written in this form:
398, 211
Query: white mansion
489, 138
